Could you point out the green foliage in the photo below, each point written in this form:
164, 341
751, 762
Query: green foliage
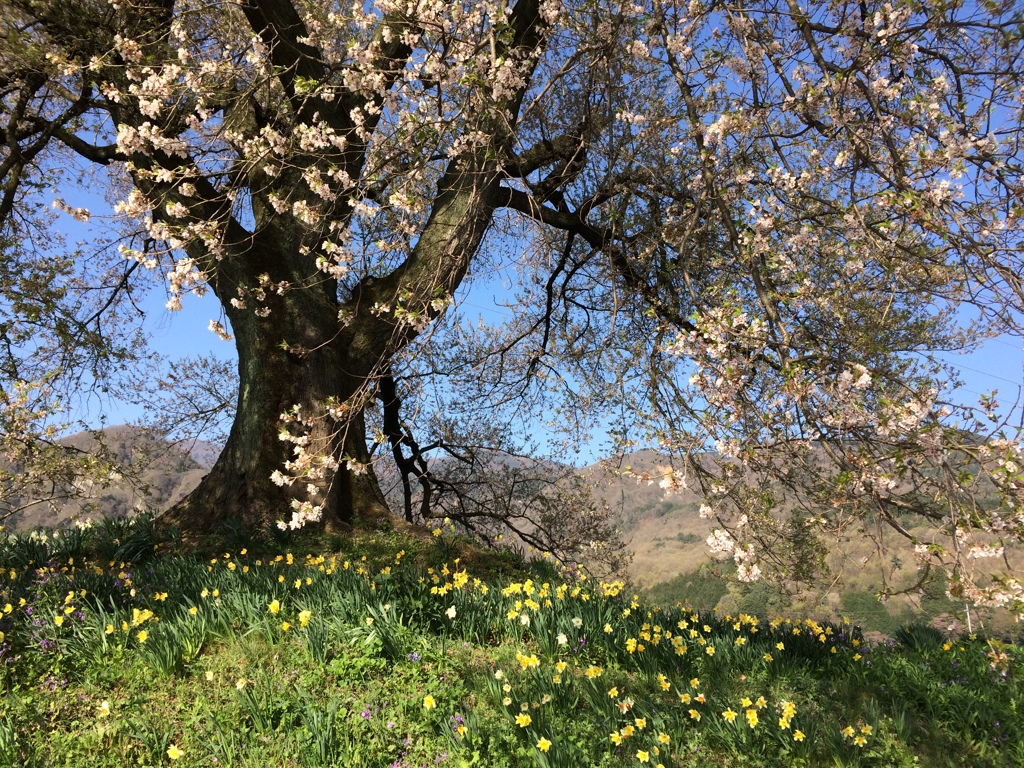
163, 652
320, 724
762, 599
919, 637
8, 741
701, 590
153, 740
865, 609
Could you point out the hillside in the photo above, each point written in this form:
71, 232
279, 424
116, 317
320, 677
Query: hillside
387, 649
665, 534
671, 563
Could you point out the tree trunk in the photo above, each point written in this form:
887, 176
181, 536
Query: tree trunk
318, 367
300, 355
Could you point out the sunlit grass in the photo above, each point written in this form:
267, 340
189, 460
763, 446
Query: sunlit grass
401, 651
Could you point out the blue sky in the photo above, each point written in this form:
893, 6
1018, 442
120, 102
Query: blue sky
998, 365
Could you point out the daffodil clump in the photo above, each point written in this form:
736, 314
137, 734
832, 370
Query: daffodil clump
252, 657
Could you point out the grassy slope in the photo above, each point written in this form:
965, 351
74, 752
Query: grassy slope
208, 658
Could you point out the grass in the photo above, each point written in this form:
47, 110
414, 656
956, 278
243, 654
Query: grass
394, 651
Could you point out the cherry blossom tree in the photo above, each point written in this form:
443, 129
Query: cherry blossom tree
740, 230
258, 145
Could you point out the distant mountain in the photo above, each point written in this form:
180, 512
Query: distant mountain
157, 474
203, 453
665, 534
671, 562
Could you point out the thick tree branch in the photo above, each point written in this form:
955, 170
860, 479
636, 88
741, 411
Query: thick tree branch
102, 155
280, 28
467, 195
599, 239
544, 152
564, 220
